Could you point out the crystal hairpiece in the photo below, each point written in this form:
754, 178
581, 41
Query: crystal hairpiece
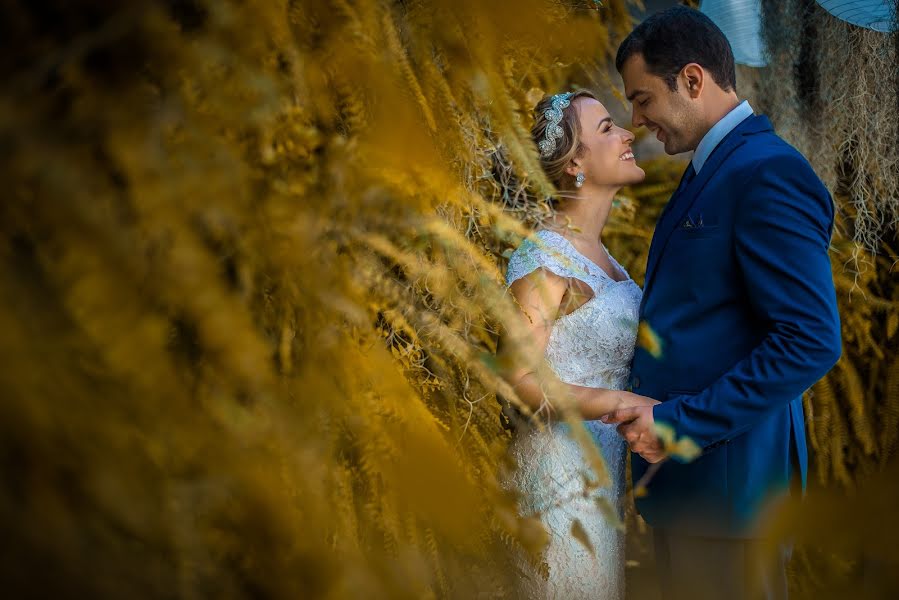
553, 129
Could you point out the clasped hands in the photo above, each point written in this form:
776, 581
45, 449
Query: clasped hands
636, 425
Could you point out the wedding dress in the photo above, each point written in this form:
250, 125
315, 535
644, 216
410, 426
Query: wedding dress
593, 347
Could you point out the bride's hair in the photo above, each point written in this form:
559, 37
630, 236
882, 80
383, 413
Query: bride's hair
567, 147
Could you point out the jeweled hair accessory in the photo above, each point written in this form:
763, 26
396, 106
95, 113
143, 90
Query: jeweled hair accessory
553, 129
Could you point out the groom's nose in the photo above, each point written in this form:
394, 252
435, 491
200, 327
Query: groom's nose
636, 118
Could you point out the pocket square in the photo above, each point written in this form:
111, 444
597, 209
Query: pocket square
692, 222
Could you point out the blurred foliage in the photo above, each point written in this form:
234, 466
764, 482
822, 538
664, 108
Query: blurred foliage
845, 539
251, 294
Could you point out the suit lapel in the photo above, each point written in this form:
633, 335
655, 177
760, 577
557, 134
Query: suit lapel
663, 218
682, 200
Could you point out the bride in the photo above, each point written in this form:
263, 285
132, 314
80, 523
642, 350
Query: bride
579, 308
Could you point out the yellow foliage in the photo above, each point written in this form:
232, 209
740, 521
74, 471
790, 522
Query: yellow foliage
251, 291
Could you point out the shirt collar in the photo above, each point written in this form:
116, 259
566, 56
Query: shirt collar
718, 132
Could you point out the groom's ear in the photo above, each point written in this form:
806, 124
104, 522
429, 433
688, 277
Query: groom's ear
693, 78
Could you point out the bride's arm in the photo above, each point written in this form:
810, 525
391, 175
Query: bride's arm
539, 296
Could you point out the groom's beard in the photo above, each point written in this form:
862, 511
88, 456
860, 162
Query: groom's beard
676, 144
670, 140
681, 139
675, 147
680, 127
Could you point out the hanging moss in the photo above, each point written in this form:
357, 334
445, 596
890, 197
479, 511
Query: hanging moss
832, 90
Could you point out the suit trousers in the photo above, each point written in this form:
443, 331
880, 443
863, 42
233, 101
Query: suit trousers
701, 568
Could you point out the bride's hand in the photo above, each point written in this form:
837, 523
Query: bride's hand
629, 399
602, 402
635, 423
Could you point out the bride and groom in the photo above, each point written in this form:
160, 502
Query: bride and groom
739, 290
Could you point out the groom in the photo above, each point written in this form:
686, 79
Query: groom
739, 288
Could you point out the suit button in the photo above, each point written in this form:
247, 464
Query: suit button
636, 382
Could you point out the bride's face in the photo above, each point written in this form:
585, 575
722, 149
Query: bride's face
608, 159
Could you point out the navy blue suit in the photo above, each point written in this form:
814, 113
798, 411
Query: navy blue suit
739, 288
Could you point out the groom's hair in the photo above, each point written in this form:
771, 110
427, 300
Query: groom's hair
676, 37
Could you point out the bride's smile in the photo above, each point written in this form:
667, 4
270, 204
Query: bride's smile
607, 159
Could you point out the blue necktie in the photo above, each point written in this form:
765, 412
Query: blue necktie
689, 174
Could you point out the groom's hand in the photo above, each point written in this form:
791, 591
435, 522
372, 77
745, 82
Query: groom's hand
637, 426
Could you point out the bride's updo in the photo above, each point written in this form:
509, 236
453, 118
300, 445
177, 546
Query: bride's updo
567, 147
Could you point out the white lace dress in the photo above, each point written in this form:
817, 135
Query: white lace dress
593, 347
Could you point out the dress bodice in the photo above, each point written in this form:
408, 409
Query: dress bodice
593, 345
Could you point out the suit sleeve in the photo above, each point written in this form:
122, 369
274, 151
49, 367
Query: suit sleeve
782, 231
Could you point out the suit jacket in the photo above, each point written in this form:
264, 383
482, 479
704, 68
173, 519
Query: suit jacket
740, 291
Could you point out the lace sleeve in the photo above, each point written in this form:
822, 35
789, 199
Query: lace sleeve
543, 251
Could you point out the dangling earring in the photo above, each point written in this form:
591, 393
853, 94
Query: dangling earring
579, 180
